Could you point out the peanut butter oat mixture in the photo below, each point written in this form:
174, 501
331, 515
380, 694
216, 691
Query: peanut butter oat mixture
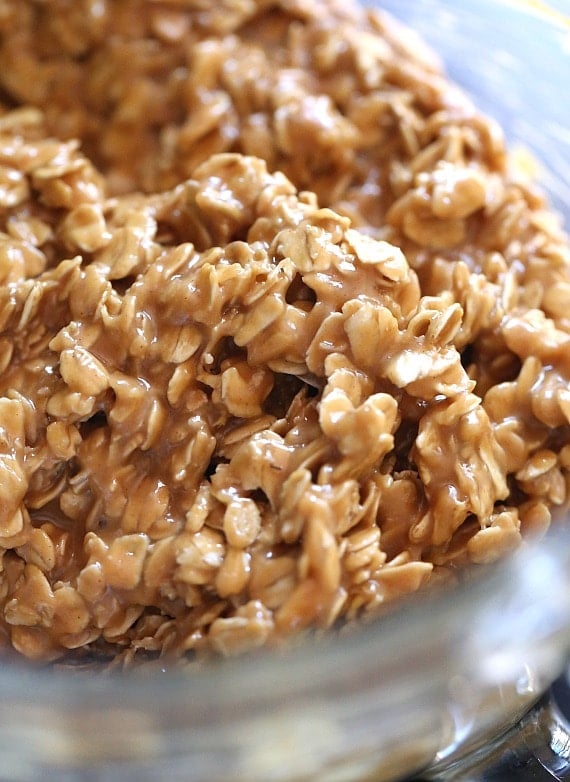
282, 337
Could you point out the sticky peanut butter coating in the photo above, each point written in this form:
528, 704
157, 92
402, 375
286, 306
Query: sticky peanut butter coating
284, 334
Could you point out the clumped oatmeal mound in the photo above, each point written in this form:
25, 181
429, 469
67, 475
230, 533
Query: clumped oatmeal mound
294, 344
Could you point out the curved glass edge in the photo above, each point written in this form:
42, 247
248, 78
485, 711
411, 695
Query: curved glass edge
419, 685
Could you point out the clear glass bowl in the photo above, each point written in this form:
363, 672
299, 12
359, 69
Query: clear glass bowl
415, 690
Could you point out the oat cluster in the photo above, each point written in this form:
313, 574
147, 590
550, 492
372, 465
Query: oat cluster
284, 335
